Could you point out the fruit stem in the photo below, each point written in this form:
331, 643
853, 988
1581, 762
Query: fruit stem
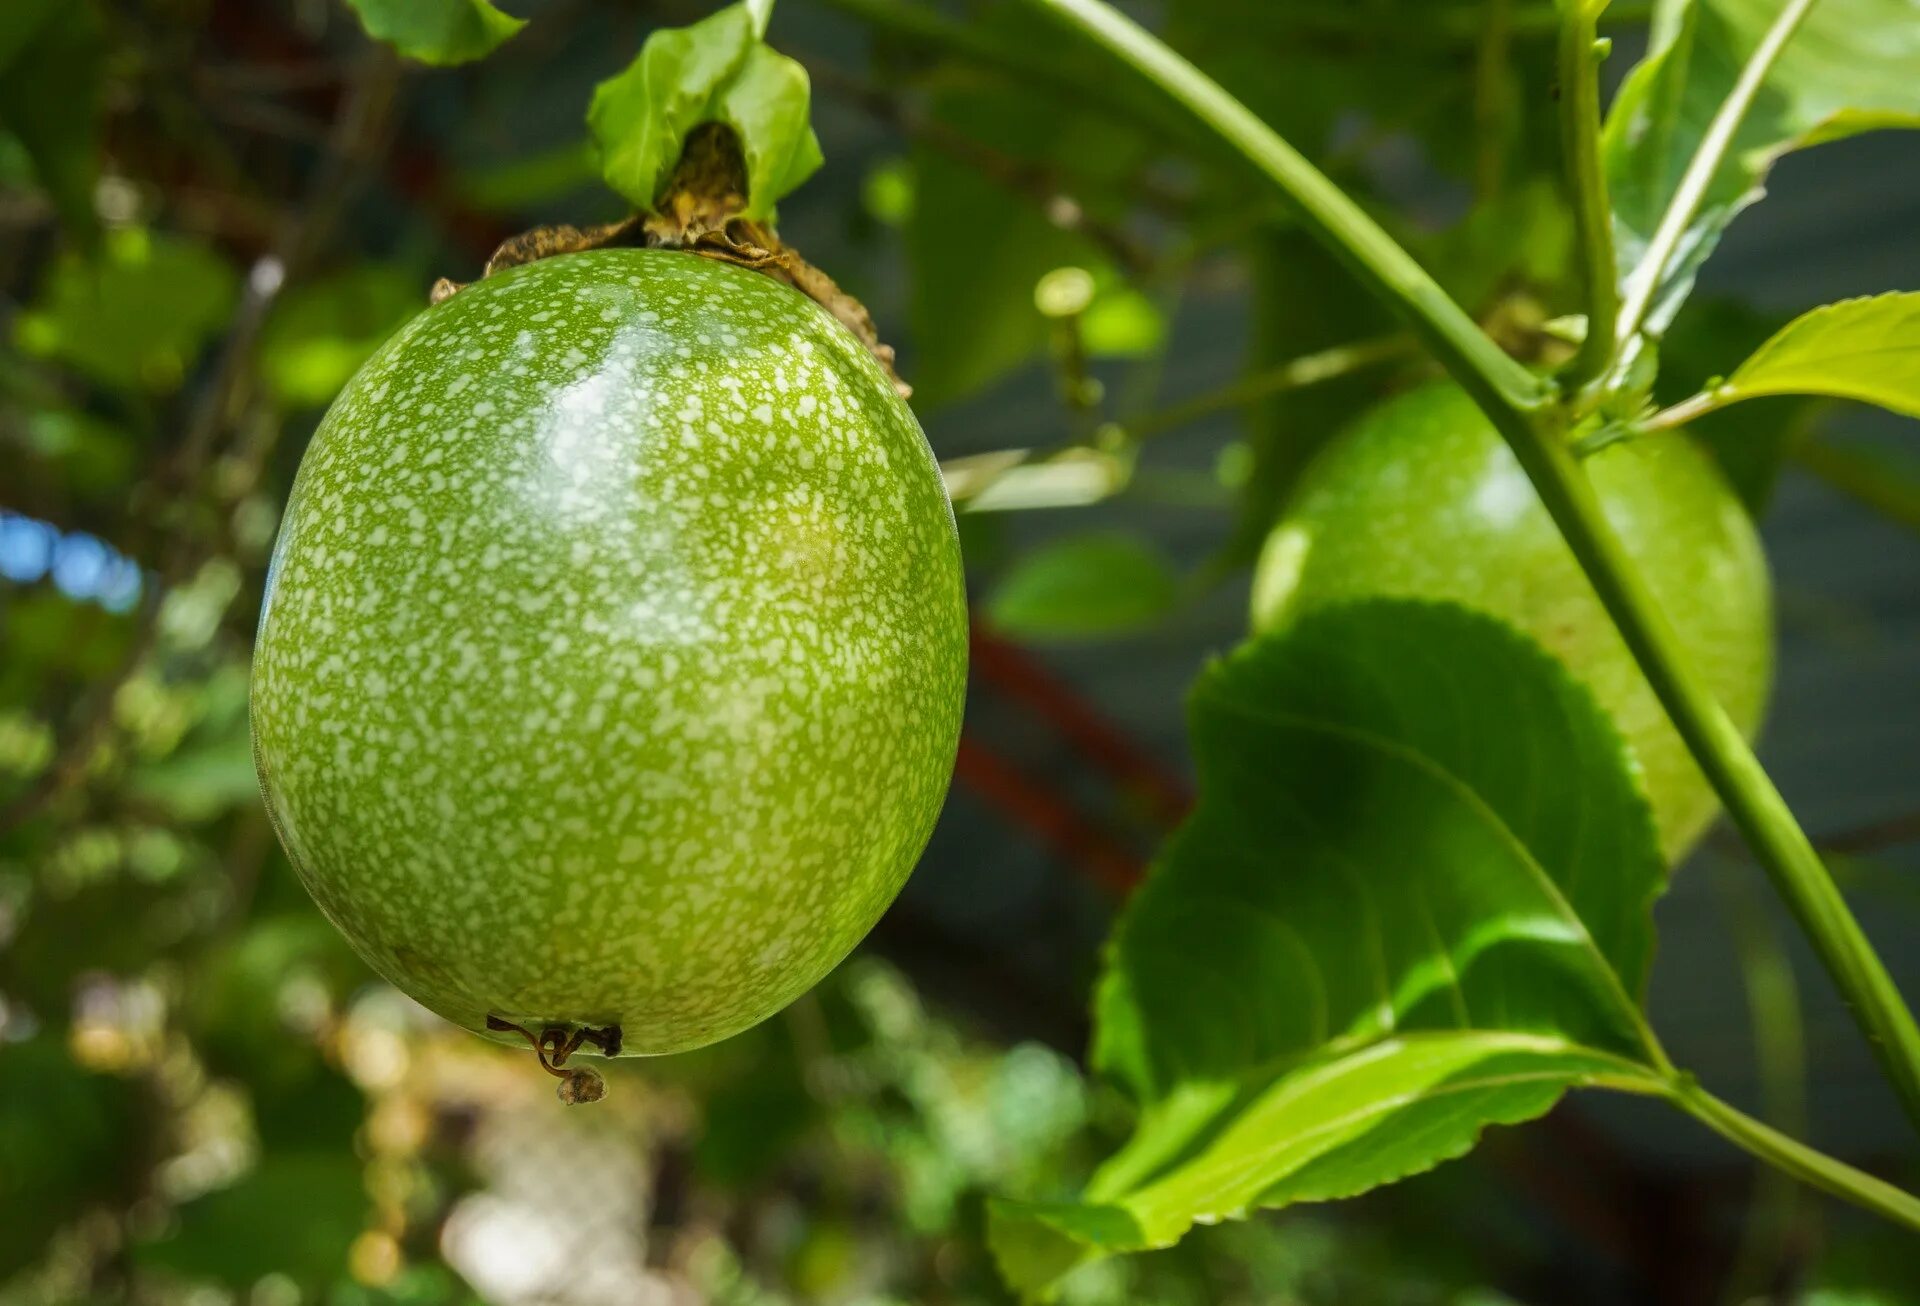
553, 1045
1580, 55
1527, 412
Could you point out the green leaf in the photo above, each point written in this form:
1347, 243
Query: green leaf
715, 70
92, 457
1864, 349
442, 32
1853, 66
136, 315
1413, 902
51, 62
1086, 587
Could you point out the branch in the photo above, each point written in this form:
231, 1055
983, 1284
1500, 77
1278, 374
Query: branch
1580, 56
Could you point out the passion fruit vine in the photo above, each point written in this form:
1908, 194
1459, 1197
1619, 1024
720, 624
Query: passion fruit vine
610, 673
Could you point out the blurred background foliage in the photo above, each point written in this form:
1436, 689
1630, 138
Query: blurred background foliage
212, 210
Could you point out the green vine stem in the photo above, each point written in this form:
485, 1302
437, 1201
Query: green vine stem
1580, 54
1526, 410
1796, 1158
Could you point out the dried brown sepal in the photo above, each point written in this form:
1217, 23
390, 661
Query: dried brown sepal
581, 1086
554, 1044
697, 213
545, 242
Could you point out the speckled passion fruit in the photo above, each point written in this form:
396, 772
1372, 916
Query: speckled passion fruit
612, 660
1422, 498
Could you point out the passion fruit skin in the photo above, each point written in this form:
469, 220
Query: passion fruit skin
1423, 499
613, 653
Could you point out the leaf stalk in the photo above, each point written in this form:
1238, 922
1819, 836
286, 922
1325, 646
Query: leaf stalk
1796, 1158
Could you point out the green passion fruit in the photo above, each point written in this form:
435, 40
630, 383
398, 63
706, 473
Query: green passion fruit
610, 672
1421, 498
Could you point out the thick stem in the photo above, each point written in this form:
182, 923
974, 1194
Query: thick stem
1587, 184
1797, 1159
1523, 408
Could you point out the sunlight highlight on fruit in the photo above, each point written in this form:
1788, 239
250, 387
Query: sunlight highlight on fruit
611, 667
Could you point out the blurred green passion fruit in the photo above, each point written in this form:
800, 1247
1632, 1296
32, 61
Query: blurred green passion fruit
611, 667
1423, 499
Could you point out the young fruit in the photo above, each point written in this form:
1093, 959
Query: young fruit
613, 652
1423, 499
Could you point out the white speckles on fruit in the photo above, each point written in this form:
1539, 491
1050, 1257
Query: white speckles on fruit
614, 650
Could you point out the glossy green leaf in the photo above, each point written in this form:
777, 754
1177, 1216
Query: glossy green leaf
135, 316
1853, 66
51, 64
1413, 902
1084, 588
440, 32
1863, 349
715, 70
